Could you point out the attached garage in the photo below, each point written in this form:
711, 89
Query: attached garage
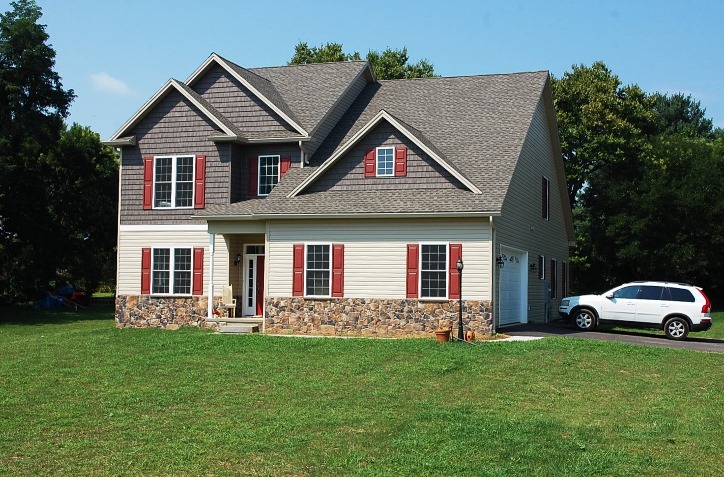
513, 298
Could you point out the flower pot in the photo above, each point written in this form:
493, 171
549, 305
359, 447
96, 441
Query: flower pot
442, 335
469, 336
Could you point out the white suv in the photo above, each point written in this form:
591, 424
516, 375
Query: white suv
677, 308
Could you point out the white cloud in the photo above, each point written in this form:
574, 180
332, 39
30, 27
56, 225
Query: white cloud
109, 84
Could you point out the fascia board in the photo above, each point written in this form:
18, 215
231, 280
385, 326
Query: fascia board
362, 133
370, 215
155, 99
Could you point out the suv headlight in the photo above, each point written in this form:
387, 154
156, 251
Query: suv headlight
565, 303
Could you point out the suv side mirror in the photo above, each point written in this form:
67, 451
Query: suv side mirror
609, 296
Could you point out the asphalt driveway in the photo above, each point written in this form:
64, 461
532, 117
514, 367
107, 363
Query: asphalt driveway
643, 337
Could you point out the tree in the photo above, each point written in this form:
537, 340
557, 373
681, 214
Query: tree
679, 114
57, 186
390, 64
83, 196
600, 122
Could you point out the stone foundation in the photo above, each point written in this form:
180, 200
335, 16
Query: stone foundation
171, 313
373, 317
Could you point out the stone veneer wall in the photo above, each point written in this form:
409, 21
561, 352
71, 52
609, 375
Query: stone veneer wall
171, 313
373, 317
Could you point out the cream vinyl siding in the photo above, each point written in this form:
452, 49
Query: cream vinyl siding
521, 225
130, 243
375, 252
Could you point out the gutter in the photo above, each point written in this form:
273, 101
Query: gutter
350, 215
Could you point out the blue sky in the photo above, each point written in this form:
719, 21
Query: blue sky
117, 54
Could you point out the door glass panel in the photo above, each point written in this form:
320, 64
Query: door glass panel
250, 283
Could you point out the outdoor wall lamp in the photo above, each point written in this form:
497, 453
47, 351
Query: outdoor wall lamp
461, 334
500, 262
533, 267
237, 260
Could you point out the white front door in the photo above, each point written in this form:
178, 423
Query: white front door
253, 294
512, 292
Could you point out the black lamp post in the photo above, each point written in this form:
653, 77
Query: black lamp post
459, 266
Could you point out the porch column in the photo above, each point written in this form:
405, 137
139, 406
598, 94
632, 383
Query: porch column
210, 306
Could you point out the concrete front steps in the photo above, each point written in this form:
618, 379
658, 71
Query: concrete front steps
247, 324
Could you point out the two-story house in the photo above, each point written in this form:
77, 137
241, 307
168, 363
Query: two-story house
333, 203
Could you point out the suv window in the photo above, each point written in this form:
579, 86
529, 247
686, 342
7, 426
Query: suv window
681, 294
649, 292
627, 292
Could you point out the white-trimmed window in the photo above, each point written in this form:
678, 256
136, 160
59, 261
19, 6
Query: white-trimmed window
554, 278
268, 173
318, 270
433, 270
385, 161
173, 182
171, 271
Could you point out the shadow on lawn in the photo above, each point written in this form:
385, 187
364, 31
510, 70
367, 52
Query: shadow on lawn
27, 315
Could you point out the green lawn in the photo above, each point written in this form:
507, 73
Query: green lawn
80, 397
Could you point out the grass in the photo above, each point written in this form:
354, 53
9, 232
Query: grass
80, 397
715, 332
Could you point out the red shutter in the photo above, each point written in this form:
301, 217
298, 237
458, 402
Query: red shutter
198, 280
413, 255
145, 271
337, 270
401, 161
148, 182
370, 163
253, 176
298, 267
284, 164
200, 182
456, 252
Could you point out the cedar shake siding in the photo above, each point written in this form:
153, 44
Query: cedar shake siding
348, 173
174, 127
240, 164
232, 99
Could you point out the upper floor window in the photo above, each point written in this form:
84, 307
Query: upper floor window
385, 161
265, 172
268, 173
174, 181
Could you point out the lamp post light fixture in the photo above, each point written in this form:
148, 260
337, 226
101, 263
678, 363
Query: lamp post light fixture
461, 334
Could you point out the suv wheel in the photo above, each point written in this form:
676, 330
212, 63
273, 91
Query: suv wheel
676, 328
584, 320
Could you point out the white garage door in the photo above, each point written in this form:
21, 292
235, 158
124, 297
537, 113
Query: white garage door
512, 275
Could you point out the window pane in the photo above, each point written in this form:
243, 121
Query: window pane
627, 292
385, 161
318, 270
680, 294
162, 177
161, 269
651, 293
184, 181
182, 271
433, 271
268, 173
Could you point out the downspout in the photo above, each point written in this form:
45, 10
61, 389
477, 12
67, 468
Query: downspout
118, 229
494, 271
210, 306
302, 160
